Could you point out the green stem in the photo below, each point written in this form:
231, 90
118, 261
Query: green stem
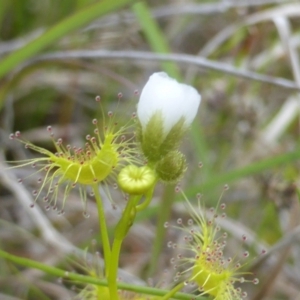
113, 269
121, 231
174, 290
103, 229
163, 216
147, 201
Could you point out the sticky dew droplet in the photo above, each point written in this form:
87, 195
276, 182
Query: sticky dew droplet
86, 214
179, 221
190, 222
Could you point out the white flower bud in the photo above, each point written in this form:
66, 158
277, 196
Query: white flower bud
173, 100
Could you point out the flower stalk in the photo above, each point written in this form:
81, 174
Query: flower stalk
136, 181
121, 231
172, 292
122, 228
103, 228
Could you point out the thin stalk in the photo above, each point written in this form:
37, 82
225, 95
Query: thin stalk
174, 290
163, 216
113, 269
122, 228
147, 201
103, 229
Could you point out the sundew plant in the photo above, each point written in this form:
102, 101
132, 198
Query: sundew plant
135, 157
149, 150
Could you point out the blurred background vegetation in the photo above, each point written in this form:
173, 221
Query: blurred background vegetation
242, 56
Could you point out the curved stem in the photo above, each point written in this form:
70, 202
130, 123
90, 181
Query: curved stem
147, 201
103, 229
121, 231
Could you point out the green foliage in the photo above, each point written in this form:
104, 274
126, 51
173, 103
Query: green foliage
77, 20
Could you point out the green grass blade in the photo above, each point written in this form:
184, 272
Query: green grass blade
252, 169
154, 36
54, 33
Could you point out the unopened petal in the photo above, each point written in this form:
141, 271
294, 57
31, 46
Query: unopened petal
174, 100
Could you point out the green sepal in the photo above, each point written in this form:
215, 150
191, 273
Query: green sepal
174, 137
155, 144
171, 167
152, 138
